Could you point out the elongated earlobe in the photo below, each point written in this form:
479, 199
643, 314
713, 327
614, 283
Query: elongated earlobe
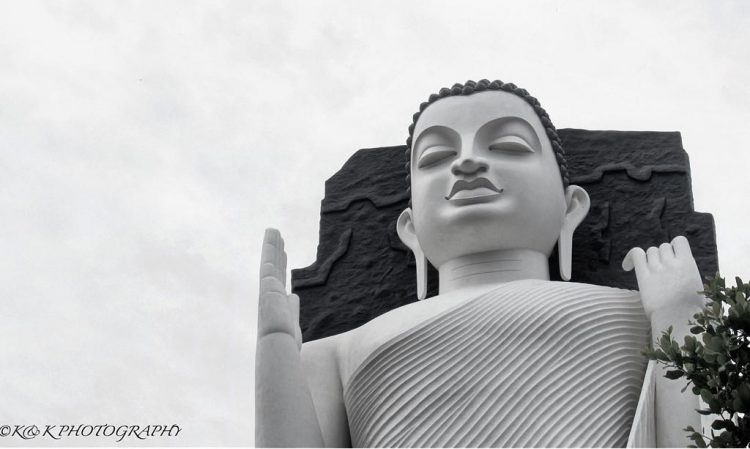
578, 204
407, 234
565, 253
421, 274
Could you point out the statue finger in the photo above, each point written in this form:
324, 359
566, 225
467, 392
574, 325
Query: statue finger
681, 247
282, 267
279, 251
294, 307
666, 253
280, 259
635, 259
269, 252
653, 258
269, 269
273, 236
270, 285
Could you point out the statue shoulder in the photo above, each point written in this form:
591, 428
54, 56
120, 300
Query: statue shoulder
363, 341
596, 289
326, 357
570, 291
327, 348
346, 350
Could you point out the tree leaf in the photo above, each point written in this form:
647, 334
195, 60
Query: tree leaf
697, 438
674, 374
718, 424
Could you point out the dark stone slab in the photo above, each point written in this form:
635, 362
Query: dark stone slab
639, 184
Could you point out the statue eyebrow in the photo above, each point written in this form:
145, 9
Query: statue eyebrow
439, 130
515, 124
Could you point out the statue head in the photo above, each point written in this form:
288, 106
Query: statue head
487, 172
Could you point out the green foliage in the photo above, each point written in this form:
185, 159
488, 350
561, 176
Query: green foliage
715, 360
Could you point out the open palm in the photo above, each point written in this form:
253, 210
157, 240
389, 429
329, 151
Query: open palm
277, 310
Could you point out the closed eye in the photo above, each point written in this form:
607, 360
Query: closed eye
435, 154
511, 144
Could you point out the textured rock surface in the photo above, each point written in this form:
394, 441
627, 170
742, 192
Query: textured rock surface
639, 184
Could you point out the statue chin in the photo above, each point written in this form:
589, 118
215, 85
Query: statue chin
481, 232
478, 243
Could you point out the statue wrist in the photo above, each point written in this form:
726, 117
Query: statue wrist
675, 315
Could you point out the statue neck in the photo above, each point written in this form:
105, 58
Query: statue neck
492, 268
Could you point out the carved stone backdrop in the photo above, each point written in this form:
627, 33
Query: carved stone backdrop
639, 184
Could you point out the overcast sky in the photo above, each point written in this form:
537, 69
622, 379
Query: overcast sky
144, 147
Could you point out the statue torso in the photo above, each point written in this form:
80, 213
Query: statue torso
529, 363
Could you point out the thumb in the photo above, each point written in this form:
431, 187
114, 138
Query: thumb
294, 309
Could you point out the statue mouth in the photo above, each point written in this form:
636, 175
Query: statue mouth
474, 189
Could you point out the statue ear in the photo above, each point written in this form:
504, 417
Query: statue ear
577, 202
408, 235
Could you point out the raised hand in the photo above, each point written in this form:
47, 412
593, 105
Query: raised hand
277, 310
284, 410
668, 278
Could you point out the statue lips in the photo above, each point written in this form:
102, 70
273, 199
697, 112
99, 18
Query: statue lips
476, 190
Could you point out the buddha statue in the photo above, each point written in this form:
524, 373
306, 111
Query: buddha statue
502, 356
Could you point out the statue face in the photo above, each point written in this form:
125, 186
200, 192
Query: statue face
484, 177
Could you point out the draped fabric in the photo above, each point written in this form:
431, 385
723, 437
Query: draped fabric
529, 364
643, 431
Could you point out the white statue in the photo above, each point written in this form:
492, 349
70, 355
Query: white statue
502, 356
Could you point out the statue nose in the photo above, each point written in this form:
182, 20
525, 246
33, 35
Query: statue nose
468, 166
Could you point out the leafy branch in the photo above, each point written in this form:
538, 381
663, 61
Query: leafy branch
715, 361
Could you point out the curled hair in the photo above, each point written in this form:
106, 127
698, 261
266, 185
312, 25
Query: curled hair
471, 87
